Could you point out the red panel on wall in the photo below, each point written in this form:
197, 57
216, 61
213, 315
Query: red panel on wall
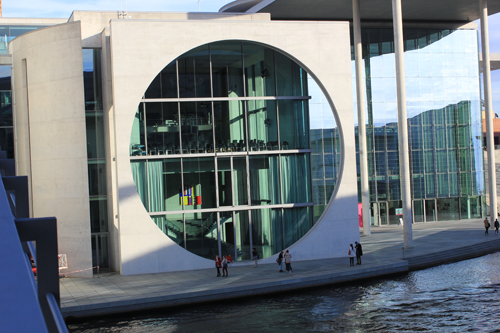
360, 214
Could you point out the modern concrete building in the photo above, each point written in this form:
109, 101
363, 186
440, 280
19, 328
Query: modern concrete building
162, 139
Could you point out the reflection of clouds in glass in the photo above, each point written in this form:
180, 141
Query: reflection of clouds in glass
320, 112
495, 89
88, 60
5, 71
443, 73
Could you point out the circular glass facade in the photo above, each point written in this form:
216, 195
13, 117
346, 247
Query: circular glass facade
229, 150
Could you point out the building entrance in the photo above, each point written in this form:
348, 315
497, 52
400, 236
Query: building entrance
384, 216
418, 211
425, 210
430, 210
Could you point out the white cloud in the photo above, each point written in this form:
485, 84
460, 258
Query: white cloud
64, 8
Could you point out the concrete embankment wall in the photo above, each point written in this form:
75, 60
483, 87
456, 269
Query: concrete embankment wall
453, 255
308, 274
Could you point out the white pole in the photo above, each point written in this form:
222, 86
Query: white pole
360, 93
404, 160
488, 108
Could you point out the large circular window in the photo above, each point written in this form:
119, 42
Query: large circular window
229, 150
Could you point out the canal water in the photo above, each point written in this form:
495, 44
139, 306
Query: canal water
457, 297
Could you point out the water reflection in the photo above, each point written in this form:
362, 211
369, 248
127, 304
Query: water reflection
459, 297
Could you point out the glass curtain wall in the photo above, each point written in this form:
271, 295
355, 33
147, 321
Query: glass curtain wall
96, 157
6, 120
204, 168
8, 33
444, 122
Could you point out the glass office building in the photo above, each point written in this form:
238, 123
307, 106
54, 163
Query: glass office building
221, 151
8, 33
444, 124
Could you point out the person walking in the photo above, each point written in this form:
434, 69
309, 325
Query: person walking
224, 266
255, 257
288, 261
486, 225
352, 254
218, 264
280, 261
497, 225
359, 252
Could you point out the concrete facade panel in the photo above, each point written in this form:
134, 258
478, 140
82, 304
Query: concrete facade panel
51, 134
143, 247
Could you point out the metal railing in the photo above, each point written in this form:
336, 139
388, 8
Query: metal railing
37, 307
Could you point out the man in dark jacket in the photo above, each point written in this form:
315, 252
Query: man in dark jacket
255, 257
359, 253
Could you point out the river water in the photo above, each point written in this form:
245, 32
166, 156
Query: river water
457, 297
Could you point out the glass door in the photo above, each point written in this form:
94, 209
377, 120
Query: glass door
418, 211
375, 219
100, 250
384, 216
242, 233
430, 210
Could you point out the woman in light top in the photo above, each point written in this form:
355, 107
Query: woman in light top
352, 254
288, 261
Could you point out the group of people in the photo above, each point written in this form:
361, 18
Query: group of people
287, 258
487, 225
223, 263
226, 260
355, 251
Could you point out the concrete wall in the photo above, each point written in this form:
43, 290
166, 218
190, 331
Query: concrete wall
50, 141
110, 151
321, 47
94, 22
32, 21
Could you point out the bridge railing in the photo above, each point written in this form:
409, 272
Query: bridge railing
26, 304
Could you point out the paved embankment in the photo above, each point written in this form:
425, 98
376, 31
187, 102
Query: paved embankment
434, 244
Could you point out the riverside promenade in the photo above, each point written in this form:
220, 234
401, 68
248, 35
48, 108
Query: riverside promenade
434, 243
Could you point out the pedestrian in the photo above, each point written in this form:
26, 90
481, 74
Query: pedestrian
224, 266
497, 225
255, 257
288, 261
280, 261
229, 259
486, 225
218, 264
359, 252
352, 254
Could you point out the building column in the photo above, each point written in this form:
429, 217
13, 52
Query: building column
488, 108
360, 93
404, 160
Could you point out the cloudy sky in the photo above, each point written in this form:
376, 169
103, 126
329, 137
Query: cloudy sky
63, 9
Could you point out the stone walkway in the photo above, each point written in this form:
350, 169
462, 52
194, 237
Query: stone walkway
383, 255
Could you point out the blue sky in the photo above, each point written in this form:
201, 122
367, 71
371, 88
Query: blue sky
63, 9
